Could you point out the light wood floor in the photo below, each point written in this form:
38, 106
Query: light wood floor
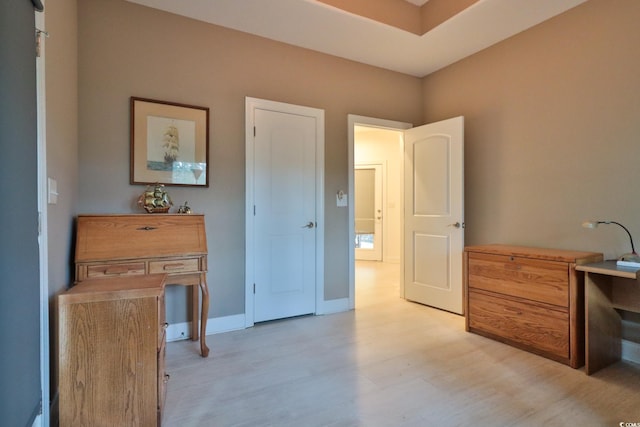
388, 363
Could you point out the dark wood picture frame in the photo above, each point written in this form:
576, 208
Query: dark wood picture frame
169, 143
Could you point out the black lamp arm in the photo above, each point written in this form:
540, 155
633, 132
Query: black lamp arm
633, 249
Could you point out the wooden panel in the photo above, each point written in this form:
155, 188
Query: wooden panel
576, 317
163, 378
603, 324
532, 326
538, 280
139, 236
625, 295
108, 375
162, 321
109, 289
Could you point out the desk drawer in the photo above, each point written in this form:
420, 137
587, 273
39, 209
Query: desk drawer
533, 279
115, 270
530, 325
175, 266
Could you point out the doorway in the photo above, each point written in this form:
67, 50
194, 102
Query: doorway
432, 214
376, 142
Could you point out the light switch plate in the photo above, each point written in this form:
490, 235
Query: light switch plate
52, 191
341, 199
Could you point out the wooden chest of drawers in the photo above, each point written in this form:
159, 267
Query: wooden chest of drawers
530, 298
112, 352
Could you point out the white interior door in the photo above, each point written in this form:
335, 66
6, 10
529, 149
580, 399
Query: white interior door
284, 220
368, 211
434, 216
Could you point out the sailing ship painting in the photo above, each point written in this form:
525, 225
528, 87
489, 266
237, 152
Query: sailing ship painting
171, 148
169, 141
171, 144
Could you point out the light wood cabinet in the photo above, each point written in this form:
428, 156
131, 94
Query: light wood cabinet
133, 245
112, 350
530, 298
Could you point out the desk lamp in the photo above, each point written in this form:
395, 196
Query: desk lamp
627, 260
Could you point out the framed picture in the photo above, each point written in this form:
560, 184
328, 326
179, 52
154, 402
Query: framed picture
169, 143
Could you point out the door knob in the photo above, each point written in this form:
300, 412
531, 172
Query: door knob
310, 224
457, 225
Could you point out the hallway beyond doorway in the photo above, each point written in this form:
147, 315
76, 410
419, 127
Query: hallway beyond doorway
376, 282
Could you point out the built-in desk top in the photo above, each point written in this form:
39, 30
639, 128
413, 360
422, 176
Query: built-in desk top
610, 268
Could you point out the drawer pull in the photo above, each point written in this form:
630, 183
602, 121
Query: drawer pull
513, 311
178, 266
147, 228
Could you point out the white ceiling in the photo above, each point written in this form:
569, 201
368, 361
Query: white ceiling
317, 26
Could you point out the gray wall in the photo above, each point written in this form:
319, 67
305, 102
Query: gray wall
552, 119
19, 260
130, 50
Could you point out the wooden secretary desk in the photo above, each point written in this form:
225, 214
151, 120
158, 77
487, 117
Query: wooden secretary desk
142, 244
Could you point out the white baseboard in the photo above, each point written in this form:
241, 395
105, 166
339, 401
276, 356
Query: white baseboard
631, 351
217, 325
334, 306
225, 324
178, 331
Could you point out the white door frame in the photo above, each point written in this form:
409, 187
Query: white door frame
354, 120
44, 418
250, 105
